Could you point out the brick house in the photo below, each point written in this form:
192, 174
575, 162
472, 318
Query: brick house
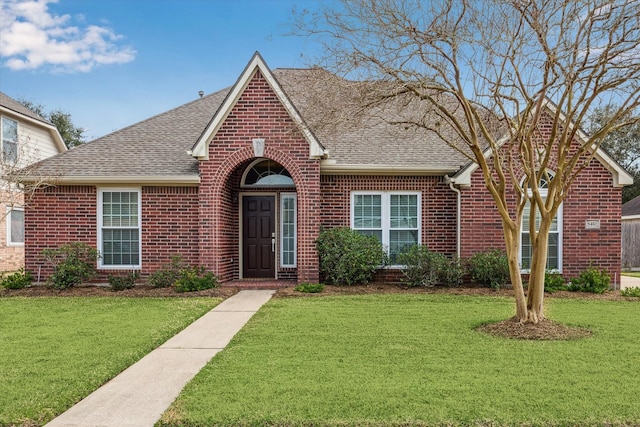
241, 182
26, 138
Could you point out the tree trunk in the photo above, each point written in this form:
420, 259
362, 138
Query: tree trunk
535, 293
512, 241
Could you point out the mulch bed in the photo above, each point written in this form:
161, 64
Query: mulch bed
544, 330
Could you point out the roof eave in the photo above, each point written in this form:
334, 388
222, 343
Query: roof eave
173, 180
329, 167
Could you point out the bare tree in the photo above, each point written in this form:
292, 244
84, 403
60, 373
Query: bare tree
623, 145
19, 179
509, 83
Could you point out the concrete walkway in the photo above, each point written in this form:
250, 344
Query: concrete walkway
629, 282
140, 394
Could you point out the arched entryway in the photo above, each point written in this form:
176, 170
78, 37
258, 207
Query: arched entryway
268, 216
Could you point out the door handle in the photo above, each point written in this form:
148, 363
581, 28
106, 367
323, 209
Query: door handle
273, 245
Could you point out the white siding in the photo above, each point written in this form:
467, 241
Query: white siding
35, 143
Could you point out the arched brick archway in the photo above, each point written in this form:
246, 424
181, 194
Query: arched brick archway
219, 223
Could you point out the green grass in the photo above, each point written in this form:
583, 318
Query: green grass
416, 360
631, 273
55, 351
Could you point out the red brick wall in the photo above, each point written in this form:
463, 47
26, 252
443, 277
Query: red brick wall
169, 225
438, 204
592, 196
257, 114
57, 216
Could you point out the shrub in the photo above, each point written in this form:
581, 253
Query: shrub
73, 264
18, 280
120, 283
168, 274
631, 292
453, 272
591, 280
348, 257
554, 282
309, 287
195, 279
423, 267
490, 268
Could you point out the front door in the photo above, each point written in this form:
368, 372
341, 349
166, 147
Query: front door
258, 236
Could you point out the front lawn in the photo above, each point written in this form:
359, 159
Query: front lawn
416, 360
631, 273
55, 351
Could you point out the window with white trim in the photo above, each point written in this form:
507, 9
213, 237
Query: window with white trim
392, 217
554, 249
9, 140
288, 230
15, 226
119, 228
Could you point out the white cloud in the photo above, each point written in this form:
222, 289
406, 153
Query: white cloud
32, 37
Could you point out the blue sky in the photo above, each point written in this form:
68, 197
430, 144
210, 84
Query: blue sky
112, 63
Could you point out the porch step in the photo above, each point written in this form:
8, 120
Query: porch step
260, 284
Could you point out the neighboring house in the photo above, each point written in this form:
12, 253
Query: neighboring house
631, 234
242, 181
26, 138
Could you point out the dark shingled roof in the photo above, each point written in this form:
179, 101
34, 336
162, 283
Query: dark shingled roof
632, 207
158, 146
13, 105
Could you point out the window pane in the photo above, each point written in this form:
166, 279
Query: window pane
376, 233
399, 240
552, 254
17, 226
367, 211
288, 224
404, 211
120, 247
120, 209
268, 173
553, 251
9, 130
10, 151
526, 251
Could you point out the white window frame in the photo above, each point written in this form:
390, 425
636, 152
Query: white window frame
8, 220
524, 229
2, 140
294, 197
386, 213
101, 192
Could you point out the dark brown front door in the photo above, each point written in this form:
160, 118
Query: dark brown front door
258, 235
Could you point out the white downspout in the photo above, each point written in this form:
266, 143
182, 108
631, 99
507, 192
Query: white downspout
451, 183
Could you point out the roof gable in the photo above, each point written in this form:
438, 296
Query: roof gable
620, 176
10, 106
201, 148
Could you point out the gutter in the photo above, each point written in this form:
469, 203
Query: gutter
174, 180
330, 167
456, 190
